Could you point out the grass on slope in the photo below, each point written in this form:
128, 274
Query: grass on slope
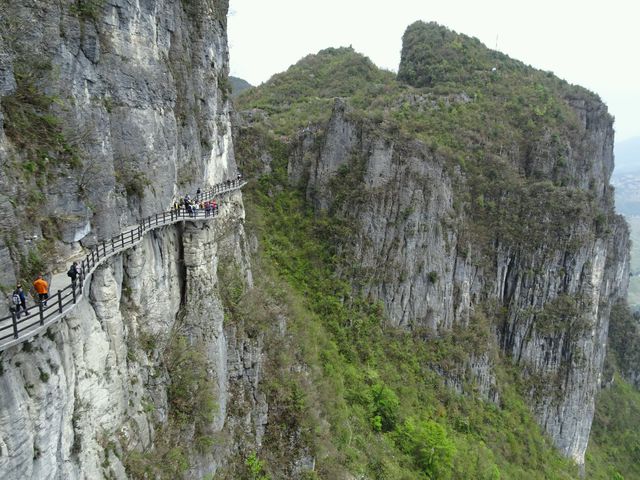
614, 446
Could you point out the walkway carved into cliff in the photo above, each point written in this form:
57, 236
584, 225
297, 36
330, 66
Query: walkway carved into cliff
14, 331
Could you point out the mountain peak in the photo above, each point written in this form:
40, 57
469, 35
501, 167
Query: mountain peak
431, 53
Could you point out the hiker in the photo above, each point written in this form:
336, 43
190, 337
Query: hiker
207, 209
214, 207
19, 300
187, 206
239, 177
228, 183
198, 192
73, 272
42, 287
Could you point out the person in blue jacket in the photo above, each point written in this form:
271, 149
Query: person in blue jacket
19, 301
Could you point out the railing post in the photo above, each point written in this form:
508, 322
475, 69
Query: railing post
97, 253
156, 219
104, 249
15, 324
60, 300
122, 239
41, 313
73, 288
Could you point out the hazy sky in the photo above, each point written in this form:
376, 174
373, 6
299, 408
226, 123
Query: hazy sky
593, 44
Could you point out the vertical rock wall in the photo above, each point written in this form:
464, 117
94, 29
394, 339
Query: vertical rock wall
78, 401
548, 293
131, 102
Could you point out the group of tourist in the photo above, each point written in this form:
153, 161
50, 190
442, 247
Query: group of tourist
192, 205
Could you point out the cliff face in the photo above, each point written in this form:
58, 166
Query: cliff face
81, 400
109, 111
550, 303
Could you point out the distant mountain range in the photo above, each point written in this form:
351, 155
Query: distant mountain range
238, 85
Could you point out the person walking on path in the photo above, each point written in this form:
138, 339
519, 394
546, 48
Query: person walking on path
42, 287
73, 273
19, 300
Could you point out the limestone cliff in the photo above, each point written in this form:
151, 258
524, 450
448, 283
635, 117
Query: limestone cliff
550, 302
109, 111
96, 391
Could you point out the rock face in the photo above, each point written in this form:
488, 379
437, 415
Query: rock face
548, 287
79, 400
111, 110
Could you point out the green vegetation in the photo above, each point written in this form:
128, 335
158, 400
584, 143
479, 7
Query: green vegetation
133, 181
238, 85
87, 9
507, 131
305, 94
42, 149
30, 124
633, 296
624, 340
614, 445
433, 54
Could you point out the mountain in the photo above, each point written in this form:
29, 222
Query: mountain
238, 85
108, 114
453, 212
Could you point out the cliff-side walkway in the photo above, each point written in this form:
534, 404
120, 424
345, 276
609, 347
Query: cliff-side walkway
14, 330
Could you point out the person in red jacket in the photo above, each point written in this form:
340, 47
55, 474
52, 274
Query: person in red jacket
42, 287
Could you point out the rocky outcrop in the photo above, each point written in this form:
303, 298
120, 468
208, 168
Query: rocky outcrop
546, 277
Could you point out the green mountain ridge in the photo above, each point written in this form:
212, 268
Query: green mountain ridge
238, 85
392, 386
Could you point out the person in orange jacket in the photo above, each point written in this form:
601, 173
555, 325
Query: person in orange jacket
42, 287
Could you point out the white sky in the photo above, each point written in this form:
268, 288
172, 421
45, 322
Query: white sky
591, 43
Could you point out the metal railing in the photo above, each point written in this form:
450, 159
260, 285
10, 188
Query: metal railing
15, 330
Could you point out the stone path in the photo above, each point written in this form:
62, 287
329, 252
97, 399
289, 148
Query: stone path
63, 296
